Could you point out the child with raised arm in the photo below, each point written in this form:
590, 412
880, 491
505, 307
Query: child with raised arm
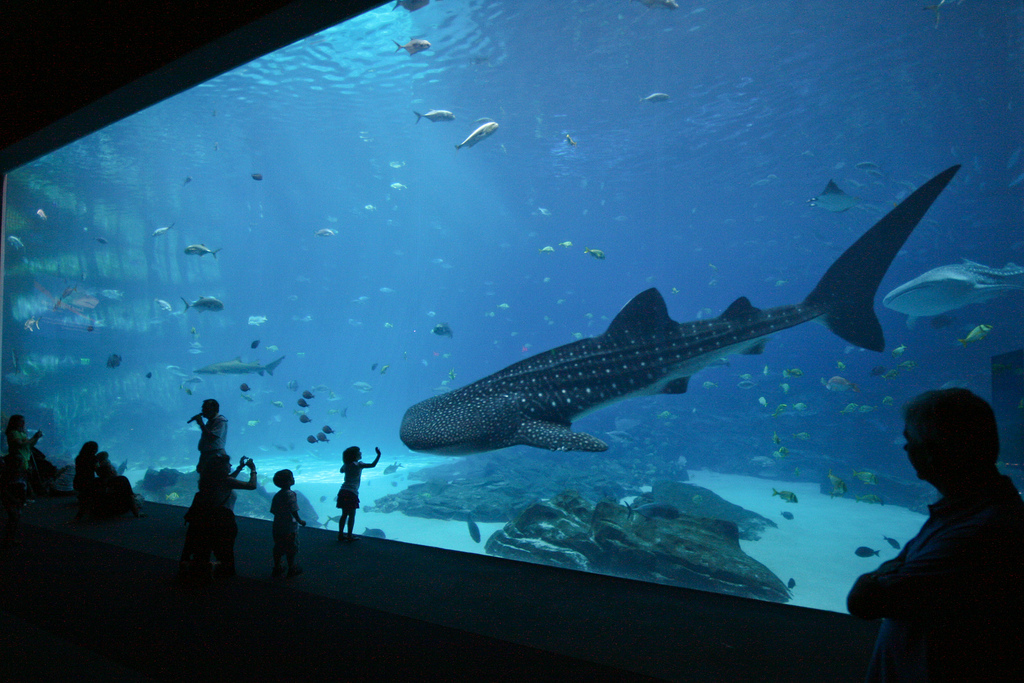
285, 508
348, 496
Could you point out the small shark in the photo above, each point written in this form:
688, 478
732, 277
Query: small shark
949, 287
237, 367
644, 352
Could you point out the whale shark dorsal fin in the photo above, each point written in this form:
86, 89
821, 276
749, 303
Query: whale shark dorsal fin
740, 307
645, 310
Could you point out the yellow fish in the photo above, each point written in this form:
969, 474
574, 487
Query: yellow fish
775, 438
566, 244
787, 496
800, 406
503, 306
570, 140
898, 351
803, 436
547, 250
253, 423
172, 496
596, 253
838, 485
710, 385
384, 369
870, 498
792, 372
841, 365
779, 409
866, 477
977, 334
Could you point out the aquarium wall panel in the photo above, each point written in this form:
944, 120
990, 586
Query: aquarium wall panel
557, 224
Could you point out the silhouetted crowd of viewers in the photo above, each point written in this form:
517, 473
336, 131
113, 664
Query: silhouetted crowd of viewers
27, 474
952, 601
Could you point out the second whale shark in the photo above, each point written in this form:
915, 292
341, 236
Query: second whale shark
947, 288
644, 352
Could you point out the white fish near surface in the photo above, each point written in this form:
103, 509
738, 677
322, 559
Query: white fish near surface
15, 242
160, 231
949, 287
481, 133
655, 97
257, 319
164, 306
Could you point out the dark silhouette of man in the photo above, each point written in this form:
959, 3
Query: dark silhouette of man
952, 599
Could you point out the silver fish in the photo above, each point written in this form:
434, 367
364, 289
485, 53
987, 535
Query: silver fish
435, 115
484, 131
200, 250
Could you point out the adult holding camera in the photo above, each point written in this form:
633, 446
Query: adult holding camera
211, 519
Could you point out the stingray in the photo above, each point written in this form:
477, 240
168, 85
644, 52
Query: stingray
833, 199
947, 288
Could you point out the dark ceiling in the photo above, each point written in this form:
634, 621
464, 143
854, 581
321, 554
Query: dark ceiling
73, 66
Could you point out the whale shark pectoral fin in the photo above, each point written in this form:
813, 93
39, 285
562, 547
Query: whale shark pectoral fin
556, 437
676, 386
756, 348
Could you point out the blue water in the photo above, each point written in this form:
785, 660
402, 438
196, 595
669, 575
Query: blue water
703, 196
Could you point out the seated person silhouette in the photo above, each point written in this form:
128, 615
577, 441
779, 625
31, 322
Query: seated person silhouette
112, 494
953, 599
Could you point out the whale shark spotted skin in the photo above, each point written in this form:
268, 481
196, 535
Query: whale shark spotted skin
949, 287
644, 352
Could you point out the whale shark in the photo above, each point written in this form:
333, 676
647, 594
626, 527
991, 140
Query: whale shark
644, 352
237, 367
949, 287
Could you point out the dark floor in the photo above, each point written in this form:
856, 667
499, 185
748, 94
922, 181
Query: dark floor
100, 599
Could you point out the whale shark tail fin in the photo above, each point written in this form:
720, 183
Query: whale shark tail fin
847, 290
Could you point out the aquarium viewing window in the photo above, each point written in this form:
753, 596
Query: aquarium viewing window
503, 209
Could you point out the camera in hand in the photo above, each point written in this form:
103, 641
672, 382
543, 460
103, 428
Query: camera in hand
244, 461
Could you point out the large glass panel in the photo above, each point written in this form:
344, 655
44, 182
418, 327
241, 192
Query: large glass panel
303, 239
